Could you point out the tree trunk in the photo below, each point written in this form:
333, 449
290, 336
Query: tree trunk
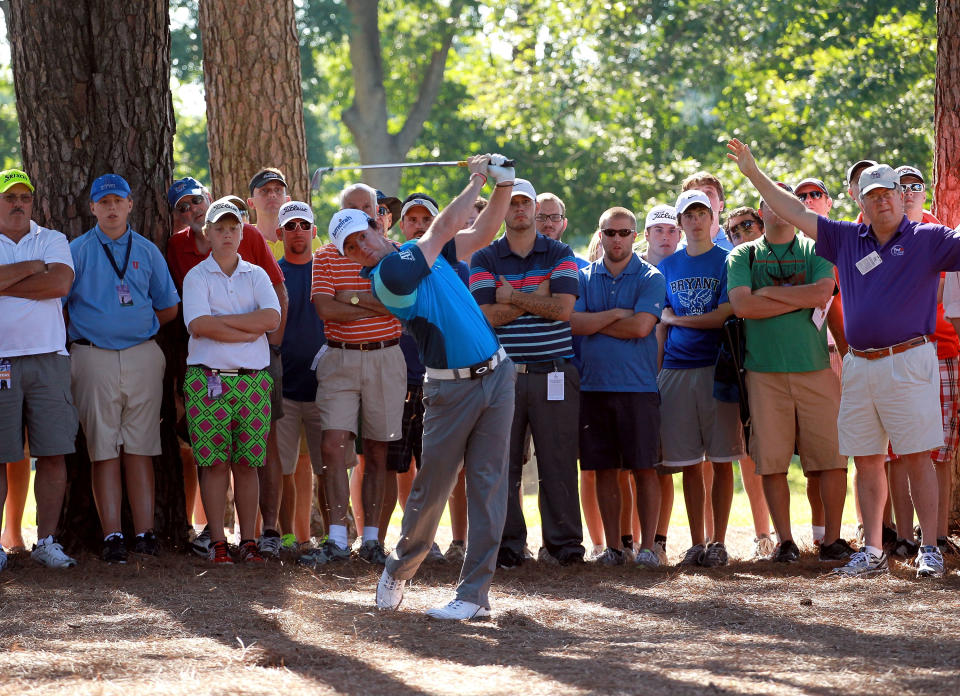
367, 118
92, 81
254, 100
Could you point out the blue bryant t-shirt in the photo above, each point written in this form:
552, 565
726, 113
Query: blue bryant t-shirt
303, 335
695, 285
435, 306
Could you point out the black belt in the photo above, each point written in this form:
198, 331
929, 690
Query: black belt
372, 345
236, 372
542, 367
81, 342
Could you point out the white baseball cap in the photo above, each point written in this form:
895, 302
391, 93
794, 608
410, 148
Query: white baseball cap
221, 207
660, 214
522, 187
878, 176
413, 202
346, 222
688, 198
294, 210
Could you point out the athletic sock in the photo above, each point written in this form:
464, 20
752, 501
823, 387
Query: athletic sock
662, 538
874, 550
338, 535
627, 541
112, 535
818, 532
371, 533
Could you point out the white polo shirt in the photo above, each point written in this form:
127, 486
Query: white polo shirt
208, 291
33, 327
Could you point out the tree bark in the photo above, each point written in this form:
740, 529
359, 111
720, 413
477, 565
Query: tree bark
254, 99
92, 80
367, 117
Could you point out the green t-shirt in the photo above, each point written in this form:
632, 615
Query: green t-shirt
789, 342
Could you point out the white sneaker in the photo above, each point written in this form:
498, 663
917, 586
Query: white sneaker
929, 562
458, 610
51, 555
648, 559
3, 559
389, 592
863, 564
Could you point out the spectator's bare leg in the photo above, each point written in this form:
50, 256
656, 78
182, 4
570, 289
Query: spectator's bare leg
753, 487
648, 505
899, 486
945, 489
303, 481
246, 494
925, 493
591, 511
872, 493
833, 493
693, 496
271, 483
458, 508
608, 500
777, 492
138, 471
336, 487
722, 498
707, 472
214, 481
374, 475
666, 504
17, 486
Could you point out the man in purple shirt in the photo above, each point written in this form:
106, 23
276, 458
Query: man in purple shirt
889, 274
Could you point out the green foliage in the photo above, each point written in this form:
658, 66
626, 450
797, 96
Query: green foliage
9, 131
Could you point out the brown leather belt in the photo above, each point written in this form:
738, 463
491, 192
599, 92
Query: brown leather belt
373, 345
877, 353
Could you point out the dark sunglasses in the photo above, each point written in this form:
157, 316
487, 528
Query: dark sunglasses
297, 224
815, 195
383, 210
915, 187
744, 225
185, 204
609, 232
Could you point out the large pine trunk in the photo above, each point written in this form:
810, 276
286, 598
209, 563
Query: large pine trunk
92, 81
946, 167
251, 73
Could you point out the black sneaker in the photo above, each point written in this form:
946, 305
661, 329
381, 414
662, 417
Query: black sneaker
839, 550
507, 558
786, 552
905, 548
146, 544
889, 536
114, 550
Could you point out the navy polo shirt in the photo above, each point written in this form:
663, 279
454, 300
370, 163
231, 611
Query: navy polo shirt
529, 337
620, 364
303, 335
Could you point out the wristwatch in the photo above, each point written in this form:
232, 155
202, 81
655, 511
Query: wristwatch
355, 300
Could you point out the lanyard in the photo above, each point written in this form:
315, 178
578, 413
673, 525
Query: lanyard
113, 262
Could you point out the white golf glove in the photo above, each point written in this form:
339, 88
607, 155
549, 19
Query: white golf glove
500, 173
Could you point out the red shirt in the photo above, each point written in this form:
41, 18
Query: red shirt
182, 254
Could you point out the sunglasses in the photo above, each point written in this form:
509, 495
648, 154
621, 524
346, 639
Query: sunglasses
916, 187
610, 232
383, 210
744, 225
187, 203
556, 217
297, 224
14, 198
815, 195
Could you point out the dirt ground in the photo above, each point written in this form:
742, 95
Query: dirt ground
177, 626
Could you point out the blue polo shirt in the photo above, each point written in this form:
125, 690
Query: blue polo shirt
303, 335
896, 300
529, 337
436, 308
620, 364
94, 307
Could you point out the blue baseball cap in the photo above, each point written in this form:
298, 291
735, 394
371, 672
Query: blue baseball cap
109, 184
187, 186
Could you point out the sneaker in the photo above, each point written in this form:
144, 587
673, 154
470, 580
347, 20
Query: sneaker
763, 547
648, 559
692, 556
220, 553
595, 552
889, 536
863, 564
389, 592
250, 552
146, 544
660, 549
3, 559
929, 562
201, 543
435, 555
458, 610
905, 548
611, 557
114, 549
269, 543
288, 542
372, 552
327, 552
544, 556
715, 555
51, 555
507, 558
839, 550
785, 552
456, 551
527, 553
946, 546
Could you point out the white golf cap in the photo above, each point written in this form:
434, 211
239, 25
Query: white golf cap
522, 187
878, 176
688, 198
346, 222
221, 207
294, 210
661, 214
413, 202
907, 170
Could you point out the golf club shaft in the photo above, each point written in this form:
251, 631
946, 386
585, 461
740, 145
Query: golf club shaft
392, 165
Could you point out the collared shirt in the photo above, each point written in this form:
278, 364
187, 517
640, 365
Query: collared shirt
332, 273
529, 337
208, 291
303, 335
897, 299
93, 303
435, 306
33, 327
276, 248
620, 364
182, 254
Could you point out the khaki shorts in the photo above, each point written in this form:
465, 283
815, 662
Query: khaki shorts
118, 395
363, 384
789, 409
693, 424
896, 397
299, 431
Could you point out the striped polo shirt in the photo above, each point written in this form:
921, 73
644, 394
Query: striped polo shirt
529, 337
333, 273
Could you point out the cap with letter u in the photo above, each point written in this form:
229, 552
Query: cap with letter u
878, 176
221, 207
294, 210
346, 222
12, 177
187, 186
109, 185
661, 214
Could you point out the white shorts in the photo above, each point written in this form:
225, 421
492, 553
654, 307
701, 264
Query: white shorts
896, 397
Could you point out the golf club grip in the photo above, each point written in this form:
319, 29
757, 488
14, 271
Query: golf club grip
505, 163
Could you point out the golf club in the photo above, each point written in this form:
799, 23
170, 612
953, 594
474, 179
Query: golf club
318, 175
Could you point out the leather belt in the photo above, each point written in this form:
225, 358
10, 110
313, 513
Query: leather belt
477, 371
373, 345
542, 366
877, 353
